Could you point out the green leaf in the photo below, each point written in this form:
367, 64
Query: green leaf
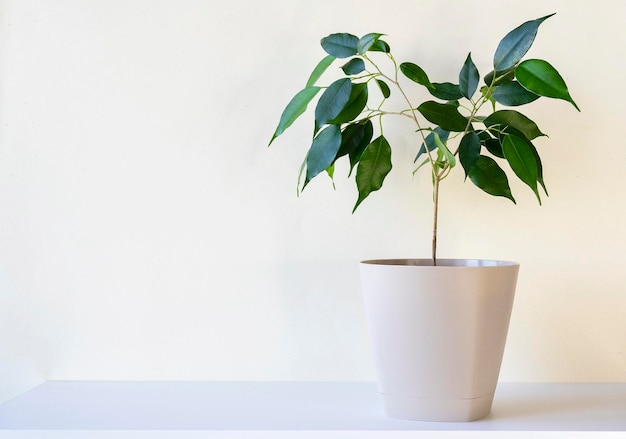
366, 42
354, 137
415, 74
342, 45
446, 91
443, 149
430, 141
380, 46
515, 44
502, 119
319, 70
357, 151
354, 106
488, 176
294, 109
322, 152
445, 115
494, 146
468, 78
539, 77
384, 88
497, 78
332, 101
469, 151
513, 94
353, 67
373, 167
523, 161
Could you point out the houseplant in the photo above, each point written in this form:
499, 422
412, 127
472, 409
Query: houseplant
461, 127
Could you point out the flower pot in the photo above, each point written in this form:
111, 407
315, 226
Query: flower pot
438, 333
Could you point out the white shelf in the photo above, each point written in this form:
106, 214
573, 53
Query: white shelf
58, 409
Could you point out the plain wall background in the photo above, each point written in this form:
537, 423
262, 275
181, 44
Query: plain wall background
148, 233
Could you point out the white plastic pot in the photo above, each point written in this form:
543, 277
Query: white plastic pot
438, 333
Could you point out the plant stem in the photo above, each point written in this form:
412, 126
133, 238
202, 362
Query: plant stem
436, 181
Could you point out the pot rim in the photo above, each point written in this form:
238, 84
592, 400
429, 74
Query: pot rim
441, 262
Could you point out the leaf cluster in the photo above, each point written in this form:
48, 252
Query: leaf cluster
449, 122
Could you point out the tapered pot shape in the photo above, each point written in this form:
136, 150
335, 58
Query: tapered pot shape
438, 333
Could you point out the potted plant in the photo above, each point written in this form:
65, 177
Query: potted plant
438, 325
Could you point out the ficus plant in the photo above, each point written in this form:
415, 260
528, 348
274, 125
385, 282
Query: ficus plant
460, 123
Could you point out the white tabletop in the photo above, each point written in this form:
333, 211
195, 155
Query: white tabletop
296, 408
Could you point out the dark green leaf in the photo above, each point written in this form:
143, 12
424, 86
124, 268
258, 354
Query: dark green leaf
523, 161
469, 151
430, 141
488, 176
530, 146
384, 88
445, 115
366, 42
380, 46
415, 74
353, 67
513, 94
502, 119
355, 137
468, 78
539, 77
373, 167
497, 78
357, 151
446, 91
354, 106
515, 44
323, 151
294, 109
332, 101
494, 146
341, 45
319, 70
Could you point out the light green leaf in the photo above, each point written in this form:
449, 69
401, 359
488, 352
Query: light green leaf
373, 167
445, 152
488, 176
319, 70
468, 78
430, 141
516, 43
322, 152
523, 161
294, 109
539, 77
342, 45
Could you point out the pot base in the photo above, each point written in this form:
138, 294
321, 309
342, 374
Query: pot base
437, 409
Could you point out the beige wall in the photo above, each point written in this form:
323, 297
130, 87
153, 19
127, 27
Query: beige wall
146, 232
